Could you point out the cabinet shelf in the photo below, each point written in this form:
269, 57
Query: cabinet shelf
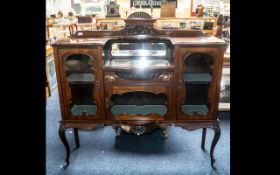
199, 109
134, 109
134, 64
198, 78
79, 109
81, 78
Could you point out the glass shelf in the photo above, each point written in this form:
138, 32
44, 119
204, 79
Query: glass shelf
142, 49
79, 109
200, 78
137, 63
81, 78
199, 109
139, 53
143, 109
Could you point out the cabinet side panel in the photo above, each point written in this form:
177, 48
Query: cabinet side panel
58, 70
218, 72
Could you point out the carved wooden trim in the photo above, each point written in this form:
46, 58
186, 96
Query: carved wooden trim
142, 15
139, 129
111, 78
165, 77
132, 117
141, 29
139, 23
152, 89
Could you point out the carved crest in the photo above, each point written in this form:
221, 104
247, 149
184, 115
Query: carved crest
139, 23
142, 15
142, 29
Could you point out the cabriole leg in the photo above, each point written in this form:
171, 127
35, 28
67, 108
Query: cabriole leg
77, 139
216, 138
65, 143
203, 138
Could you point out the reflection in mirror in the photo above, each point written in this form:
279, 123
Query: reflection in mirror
138, 53
137, 63
138, 49
80, 79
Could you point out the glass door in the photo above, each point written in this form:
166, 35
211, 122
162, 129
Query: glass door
197, 77
81, 86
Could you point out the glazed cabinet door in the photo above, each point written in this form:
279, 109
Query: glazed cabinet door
81, 83
198, 80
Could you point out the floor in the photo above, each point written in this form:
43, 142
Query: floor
101, 153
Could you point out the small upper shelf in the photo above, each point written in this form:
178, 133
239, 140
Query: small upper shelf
80, 109
137, 63
199, 109
134, 109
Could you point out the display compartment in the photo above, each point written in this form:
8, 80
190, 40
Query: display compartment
138, 75
138, 54
197, 78
81, 84
138, 61
132, 103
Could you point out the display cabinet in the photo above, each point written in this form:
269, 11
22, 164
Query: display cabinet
139, 79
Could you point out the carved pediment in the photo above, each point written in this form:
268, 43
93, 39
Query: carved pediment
142, 15
139, 23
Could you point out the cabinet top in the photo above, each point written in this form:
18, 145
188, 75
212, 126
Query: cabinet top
140, 26
188, 41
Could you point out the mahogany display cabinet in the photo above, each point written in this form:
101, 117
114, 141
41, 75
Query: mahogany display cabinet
139, 79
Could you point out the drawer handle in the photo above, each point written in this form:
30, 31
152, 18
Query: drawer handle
97, 84
165, 77
111, 77
108, 104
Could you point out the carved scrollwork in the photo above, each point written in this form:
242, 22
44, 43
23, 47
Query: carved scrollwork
140, 29
139, 23
138, 130
139, 15
165, 77
111, 78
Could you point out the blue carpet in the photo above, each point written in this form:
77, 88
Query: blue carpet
101, 153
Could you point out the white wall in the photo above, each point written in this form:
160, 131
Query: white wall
183, 8
53, 6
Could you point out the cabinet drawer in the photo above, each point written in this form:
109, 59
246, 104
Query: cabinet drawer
138, 77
